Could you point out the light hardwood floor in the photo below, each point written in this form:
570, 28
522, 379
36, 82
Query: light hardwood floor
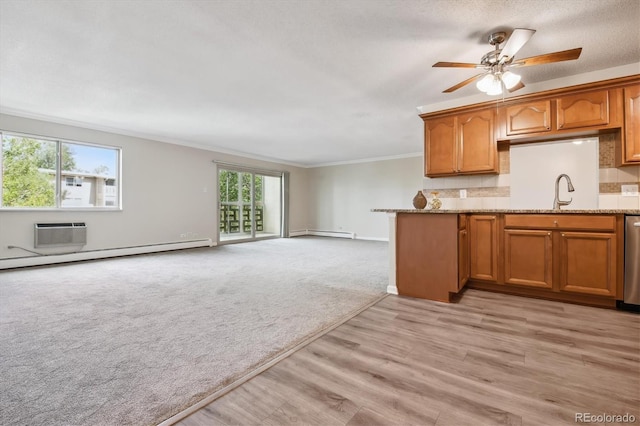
489, 359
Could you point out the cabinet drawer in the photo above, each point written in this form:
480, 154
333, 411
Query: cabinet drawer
561, 222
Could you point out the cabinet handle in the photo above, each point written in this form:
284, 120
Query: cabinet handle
548, 234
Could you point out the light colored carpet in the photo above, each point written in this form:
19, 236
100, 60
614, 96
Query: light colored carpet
135, 340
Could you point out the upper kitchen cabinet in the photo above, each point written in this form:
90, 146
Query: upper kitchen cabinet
463, 140
441, 146
528, 117
461, 144
568, 115
584, 110
629, 152
477, 148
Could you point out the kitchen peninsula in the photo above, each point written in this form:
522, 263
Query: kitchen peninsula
568, 255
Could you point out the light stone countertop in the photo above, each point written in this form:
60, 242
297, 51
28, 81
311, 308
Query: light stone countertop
533, 211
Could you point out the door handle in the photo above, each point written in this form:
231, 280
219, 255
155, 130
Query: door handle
637, 224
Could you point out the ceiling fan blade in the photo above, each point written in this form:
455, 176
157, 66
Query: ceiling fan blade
457, 65
516, 40
564, 55
463, 83
518, 86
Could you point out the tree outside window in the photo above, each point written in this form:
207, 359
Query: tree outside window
31, 177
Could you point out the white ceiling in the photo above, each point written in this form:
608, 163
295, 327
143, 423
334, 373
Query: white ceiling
300, 81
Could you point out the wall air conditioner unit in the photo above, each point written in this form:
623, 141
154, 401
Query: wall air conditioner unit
60, 234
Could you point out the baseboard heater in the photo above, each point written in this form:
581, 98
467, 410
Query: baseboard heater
335, 234
60, 234
49, 259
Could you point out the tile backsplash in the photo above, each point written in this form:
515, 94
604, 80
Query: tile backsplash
494, 191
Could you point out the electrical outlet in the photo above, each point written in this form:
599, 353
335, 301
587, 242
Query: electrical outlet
629, 190
463, 193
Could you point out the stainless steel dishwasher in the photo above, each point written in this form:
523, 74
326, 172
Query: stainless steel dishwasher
632, 262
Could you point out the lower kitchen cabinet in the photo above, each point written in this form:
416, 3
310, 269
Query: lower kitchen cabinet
587, 262
563, 254
463, 252
560, 256
528, 258
430, 255
483, 247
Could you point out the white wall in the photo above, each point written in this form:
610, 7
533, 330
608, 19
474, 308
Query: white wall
163, 193
343, 195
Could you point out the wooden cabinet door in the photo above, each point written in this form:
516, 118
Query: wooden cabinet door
463, 258
483, 247
426, 255
632, 124
528, 258
583, 110
587, 263
477, 148
440, 146
532, 117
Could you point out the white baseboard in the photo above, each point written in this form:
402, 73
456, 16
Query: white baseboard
392, 289
386, 240
335, 234
317, 233
19, 262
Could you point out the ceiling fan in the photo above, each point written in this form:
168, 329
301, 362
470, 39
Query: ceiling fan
497, 64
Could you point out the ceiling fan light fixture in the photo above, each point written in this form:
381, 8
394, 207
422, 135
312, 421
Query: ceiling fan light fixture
510, 79
492, 85
496, 87
485, 82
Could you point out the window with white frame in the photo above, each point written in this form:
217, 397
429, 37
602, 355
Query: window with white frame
41, 172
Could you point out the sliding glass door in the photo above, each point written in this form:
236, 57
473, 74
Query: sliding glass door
250, 205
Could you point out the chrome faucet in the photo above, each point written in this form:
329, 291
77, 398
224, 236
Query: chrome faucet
556, 202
